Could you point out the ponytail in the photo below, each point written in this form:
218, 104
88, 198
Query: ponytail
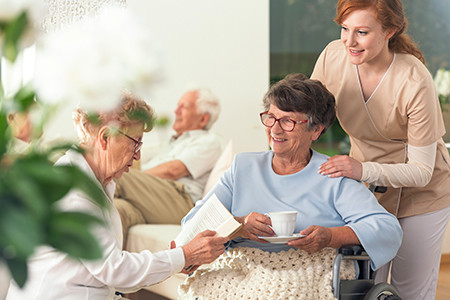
403, 43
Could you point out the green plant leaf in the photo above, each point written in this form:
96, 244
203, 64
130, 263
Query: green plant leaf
3, 133
141, 115
93, 118
46, 182
444, 101
62, 148
14, 30
83, 182
69, 232
27, 194
162, 121
19, 231
24, 98
2, 90
19, 270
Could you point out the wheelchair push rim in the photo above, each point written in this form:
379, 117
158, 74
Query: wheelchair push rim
382, 291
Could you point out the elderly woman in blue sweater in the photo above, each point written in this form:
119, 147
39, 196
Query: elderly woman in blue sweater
332, 212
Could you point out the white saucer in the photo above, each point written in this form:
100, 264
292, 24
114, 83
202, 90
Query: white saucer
281, 239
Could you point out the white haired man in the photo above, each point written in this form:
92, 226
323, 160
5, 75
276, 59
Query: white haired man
170, 183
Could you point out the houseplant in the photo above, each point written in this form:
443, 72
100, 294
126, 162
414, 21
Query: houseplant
442, 81
106, 54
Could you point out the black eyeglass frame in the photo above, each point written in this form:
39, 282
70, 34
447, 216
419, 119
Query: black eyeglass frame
294, 122
137, 144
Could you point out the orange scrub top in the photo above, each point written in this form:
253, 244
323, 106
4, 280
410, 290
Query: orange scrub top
403, 110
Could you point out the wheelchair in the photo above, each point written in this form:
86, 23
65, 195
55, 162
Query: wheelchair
362, 288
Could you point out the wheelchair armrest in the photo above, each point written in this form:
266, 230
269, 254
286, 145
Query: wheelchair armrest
377, 189
351, 250
362, 263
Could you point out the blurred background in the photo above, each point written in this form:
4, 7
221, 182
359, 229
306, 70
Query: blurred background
300, 30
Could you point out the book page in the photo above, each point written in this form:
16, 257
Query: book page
230, 227
210, 216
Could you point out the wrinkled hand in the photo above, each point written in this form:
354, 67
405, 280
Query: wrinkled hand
254, 225
204, 248
317, 238
342, 166
186, 270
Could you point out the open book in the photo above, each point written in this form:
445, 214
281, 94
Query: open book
213, 216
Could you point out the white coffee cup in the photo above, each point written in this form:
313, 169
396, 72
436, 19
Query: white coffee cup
283, 222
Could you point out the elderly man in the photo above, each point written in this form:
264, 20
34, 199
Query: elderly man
20, 125
171, 182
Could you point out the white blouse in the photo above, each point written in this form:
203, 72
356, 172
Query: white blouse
54, 275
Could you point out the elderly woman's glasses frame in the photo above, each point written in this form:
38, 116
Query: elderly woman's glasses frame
286, 124
137, 144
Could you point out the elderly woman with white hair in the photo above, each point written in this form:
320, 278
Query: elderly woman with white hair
109, 146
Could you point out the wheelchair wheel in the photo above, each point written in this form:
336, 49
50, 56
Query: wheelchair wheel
382, 291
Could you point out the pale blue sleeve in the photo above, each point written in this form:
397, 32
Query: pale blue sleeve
378, 231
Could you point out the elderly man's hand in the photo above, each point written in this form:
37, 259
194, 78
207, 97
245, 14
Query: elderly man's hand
254, 225
317, 238
204, 248
341, 166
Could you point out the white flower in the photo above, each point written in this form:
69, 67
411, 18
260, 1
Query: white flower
92, 61
442, 82
11, 9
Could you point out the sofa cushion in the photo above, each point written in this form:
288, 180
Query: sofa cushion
153, 237
156, 238
222, 164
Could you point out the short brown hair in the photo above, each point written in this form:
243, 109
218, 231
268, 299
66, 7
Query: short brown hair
298, 93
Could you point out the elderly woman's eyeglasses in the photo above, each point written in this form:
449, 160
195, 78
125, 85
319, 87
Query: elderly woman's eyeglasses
137, 144
286, 124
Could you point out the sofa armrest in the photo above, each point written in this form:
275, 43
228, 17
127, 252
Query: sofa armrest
156, 237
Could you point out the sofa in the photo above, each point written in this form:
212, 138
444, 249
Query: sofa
156, 237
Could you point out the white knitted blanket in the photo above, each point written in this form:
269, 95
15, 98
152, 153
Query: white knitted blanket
249, 273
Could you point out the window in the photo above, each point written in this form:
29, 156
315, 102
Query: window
300, 30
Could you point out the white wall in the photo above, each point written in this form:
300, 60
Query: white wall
220, 44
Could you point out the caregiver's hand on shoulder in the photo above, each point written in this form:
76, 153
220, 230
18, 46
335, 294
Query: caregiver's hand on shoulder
254, 225
204, 248
341, 166
317, 238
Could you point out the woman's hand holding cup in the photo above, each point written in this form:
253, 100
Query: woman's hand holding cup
254, 225
283, 222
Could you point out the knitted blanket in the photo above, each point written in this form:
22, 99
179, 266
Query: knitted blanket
250, 273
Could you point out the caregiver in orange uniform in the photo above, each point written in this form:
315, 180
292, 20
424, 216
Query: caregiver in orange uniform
387, 103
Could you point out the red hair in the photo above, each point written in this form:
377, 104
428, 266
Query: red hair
391, 15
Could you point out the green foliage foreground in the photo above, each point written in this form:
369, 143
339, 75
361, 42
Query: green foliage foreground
30, 187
